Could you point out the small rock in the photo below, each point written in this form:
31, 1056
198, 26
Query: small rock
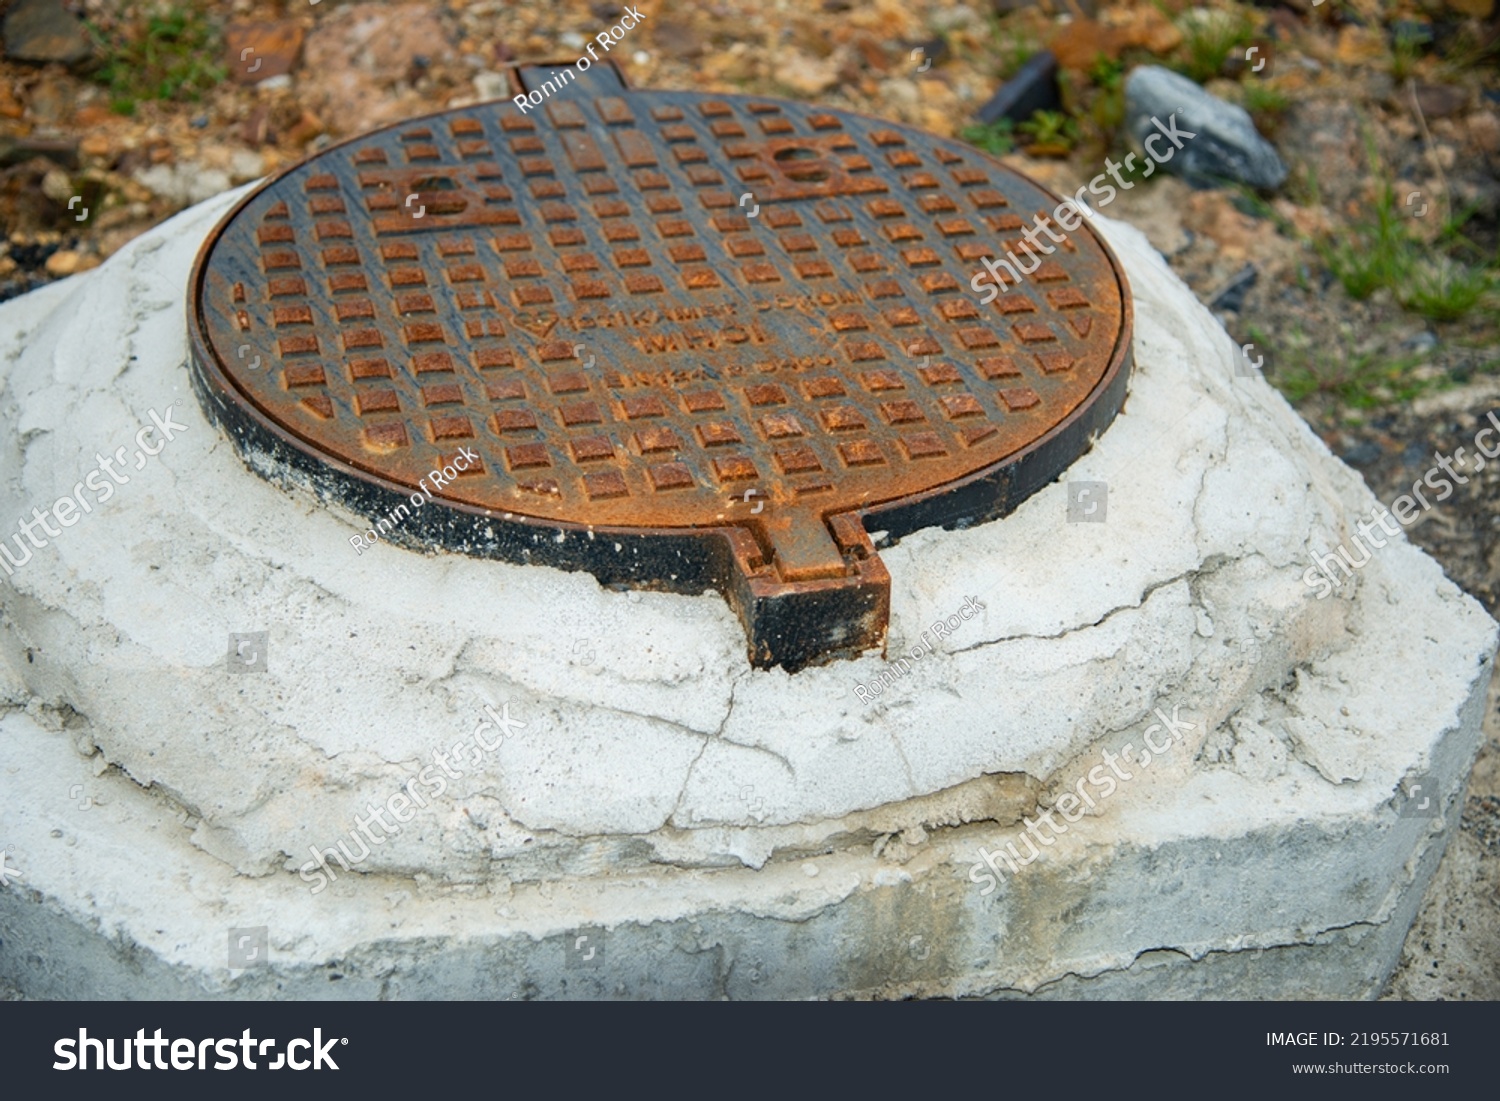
53, 100
1416, 456
246, 165
808, 76
1359, 46
1079, 43
676, 39
43, 30
1225, 143
903, 93
1424, 341
732, 65
256, 52
490, 85
954, 18
1232, 297
57, 185
63, 262
15, 151
571, 40
934, 52
184, 183
1148, 28
358, 60
1032, 89
1363, 454
1441, 100
1484, 131
256, 129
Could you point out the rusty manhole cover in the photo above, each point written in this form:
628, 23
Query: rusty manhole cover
696, 341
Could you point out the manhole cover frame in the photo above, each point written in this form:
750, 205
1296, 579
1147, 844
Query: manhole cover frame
788, 623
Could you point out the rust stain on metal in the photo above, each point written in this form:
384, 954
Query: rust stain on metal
696, 342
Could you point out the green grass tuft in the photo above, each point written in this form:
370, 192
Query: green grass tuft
996, 138
1362, 380
1382, 252
171, 55
1209, 38
1050, 128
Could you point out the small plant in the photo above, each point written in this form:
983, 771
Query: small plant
1134, 168
1266, 103
1406, 50
1107, 74
1108, 108
1050, 131
1370, 254
168, 55
1424, 278
1363, 380
1469, 49
1016, 44
1209, 38
995, 138
1444, 289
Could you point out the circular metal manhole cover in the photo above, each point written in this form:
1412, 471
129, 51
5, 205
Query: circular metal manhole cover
694, 341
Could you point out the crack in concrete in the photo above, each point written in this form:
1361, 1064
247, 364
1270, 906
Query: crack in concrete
1202, 569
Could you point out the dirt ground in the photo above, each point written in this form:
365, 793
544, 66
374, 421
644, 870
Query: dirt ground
1370, 279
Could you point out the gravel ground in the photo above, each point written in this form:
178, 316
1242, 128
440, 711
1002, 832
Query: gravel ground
1453, 950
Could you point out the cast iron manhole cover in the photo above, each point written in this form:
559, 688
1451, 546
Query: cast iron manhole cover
696, 341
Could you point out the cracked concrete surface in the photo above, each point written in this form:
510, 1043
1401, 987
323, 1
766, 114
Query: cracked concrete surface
738, 832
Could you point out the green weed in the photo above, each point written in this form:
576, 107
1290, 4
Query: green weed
171, 55
1407, 48
1382, 252
1208, 41
1050, 128
1363, 380
1266, 103
996, 138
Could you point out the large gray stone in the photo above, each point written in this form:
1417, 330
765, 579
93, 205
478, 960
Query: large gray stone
43, 30
721, 830
1226, 145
